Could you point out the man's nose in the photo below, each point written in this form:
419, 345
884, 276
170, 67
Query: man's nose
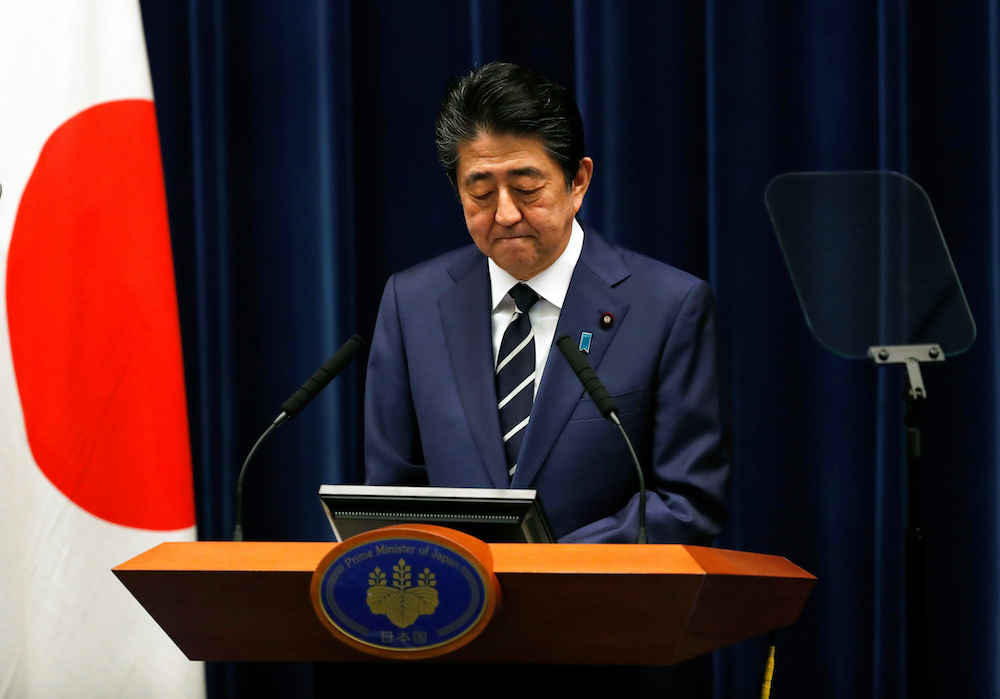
507, 212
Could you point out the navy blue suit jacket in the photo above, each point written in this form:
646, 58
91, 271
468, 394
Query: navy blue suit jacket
430, 404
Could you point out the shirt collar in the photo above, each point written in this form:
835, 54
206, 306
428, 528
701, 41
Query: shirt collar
551, 283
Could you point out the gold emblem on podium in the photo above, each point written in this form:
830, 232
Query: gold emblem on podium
412, 590
402, 603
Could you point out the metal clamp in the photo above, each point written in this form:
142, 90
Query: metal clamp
911, 356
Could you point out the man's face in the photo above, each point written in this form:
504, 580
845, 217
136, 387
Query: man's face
517, 207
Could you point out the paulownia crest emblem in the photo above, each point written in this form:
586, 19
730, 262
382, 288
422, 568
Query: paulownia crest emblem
402, 602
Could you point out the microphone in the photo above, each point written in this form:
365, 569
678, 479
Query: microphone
609, 409
293, 406
323, 376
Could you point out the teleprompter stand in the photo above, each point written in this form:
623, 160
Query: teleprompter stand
875, 279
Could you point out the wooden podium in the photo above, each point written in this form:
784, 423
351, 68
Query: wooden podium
569, 604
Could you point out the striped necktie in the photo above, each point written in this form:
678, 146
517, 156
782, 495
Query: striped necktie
515, 375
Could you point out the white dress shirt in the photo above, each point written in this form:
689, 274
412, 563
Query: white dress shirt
551, 285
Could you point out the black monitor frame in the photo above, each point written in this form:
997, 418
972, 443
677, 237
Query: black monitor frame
495, 516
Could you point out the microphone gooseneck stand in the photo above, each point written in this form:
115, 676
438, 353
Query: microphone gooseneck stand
641, 536
293, 406
609, 409
238, 528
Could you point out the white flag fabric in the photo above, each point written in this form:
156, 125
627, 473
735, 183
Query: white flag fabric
95, 464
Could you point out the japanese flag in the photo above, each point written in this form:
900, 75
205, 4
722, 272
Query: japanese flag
95, 462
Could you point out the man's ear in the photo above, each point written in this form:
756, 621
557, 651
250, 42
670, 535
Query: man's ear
581, 183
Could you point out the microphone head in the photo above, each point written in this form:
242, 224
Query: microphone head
323, 376
588, 377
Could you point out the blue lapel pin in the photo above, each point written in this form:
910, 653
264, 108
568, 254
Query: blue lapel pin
585, 341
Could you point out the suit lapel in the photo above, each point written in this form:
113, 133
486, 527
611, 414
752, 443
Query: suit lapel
465, 315
591, 294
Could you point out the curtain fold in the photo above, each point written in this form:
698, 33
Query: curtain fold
301, 172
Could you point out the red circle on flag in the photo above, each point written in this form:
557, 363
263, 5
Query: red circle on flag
92, 316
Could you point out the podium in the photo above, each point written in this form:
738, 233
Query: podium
562, 604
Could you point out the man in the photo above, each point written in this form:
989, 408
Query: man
512, 144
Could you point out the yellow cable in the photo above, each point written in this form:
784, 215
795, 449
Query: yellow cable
765, 689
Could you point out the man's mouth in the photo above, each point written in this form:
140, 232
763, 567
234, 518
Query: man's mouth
510, 235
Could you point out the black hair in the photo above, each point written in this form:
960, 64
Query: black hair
503, 98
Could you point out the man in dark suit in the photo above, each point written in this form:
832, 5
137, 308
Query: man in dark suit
512, 144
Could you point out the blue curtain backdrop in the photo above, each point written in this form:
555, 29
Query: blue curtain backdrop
301, 172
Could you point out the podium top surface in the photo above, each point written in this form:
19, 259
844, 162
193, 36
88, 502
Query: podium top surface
610, 559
